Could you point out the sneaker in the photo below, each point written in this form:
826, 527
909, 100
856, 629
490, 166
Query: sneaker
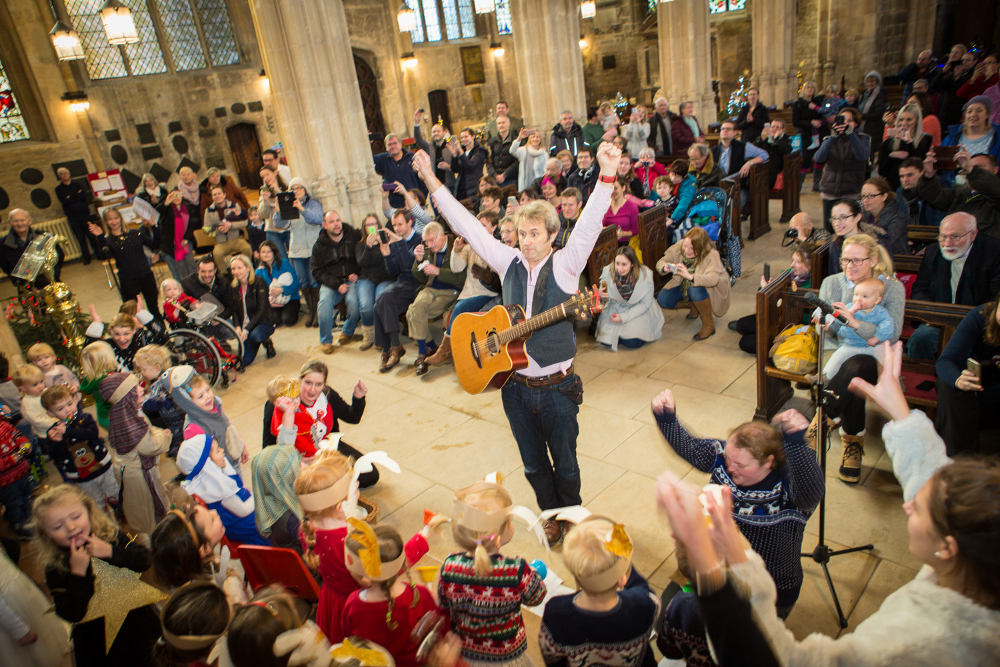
850, 462
553, 531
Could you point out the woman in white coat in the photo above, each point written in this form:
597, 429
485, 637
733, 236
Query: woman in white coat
532, 155
631, 316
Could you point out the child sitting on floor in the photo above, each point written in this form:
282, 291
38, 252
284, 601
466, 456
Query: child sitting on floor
865, 308
43, 356
192, 394
76, 447
152, 362
210, 477
614, 612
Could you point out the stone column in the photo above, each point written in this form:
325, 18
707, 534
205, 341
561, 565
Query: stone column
774, 50
549, 64
686, 57
307, 54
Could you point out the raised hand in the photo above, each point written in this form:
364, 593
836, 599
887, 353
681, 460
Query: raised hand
422, 164
608, 156
360, 389
887, 393
95, 229
790, 421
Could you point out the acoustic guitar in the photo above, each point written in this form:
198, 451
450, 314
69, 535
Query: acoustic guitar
488, 348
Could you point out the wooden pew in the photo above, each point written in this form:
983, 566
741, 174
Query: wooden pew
654, 239
791, 177
760, 188
602, 254
820, 258
667, 160
922, 233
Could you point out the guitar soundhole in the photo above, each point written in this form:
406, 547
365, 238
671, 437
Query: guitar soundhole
492, 343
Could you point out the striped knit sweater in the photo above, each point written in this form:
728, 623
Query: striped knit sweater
771, 514
486, 611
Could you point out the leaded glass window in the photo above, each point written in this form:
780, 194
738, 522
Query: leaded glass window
145, 56
103, 60
721, 6
222, 49
182, 35
417, 34
12, 125
431, 22
505, 25
457, 17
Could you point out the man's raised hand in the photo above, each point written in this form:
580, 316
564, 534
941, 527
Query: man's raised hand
608, 156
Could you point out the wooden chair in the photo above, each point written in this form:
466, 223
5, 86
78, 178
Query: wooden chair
820, 259
274, 565
760, 189
922, 233
791, 182
602, 254
654, 239
203, 242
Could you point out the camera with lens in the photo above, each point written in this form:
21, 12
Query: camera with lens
839, 124
791, 234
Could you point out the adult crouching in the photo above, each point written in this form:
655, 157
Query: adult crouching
696, 272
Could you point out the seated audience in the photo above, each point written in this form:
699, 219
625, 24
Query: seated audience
397, 252
806, 230
335, 267
865, 307
569, 212
703, 166
415, 202
373, 278
676, 190
439, 288
904, 140
622, 212
685, 130
962, 267
917, 211
626, 174
735, 157
647, 170
984, 75
584, 177
979, 196
846, 219
224, 220
777, 145
968, 394
696, 273
206, 284
631, 316
878, 201
282, 283
948, 613
767, 470
567, 135
976, 133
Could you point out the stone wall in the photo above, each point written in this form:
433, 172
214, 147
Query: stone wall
613, 51
732, 55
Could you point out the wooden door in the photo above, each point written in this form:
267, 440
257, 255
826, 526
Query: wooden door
372, 104
438, 100
245, 148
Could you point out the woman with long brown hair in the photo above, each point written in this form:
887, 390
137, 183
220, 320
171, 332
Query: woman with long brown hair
696, 272
631, 316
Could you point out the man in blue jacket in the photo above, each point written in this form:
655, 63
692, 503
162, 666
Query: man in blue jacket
397, 165
393, 302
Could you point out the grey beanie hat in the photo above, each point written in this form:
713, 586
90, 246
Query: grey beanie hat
980, 99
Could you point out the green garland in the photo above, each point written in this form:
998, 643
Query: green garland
31, 324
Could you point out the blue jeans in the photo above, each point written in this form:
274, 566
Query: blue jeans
473, 304
16, 499
329, 298
280, 239
923, 344
367, 293
669, 298
302, 270
255, 338
544, 422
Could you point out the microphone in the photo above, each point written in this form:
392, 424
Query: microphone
813, 300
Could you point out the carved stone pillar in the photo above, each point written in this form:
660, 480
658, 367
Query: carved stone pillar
774, 50
549, 64
686, 57
307, 54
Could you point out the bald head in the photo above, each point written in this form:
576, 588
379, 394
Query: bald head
803, 224
19, 221
924, 59
956, 234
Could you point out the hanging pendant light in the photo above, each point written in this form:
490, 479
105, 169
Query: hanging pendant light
484, 6
118, 23
66, 42
588, 9
406, 18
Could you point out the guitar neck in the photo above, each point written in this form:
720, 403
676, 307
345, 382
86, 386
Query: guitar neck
536, 322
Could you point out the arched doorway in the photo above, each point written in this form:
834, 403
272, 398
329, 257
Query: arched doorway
368, 85
245, 148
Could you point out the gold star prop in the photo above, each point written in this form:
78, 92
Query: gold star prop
619, 544
117, 591
364, 652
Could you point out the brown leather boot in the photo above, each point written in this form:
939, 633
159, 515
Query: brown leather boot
704, 308
443, 354
389, 361
692, 311
850, 461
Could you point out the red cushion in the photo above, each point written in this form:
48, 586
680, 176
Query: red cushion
907, 279
912, 378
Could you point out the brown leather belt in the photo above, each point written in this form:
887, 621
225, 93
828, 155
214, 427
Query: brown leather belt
544, 380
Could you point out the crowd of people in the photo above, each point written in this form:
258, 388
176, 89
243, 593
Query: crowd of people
465, 226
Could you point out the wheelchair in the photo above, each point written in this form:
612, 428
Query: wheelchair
208, 343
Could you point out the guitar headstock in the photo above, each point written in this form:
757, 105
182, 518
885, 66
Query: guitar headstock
586, 302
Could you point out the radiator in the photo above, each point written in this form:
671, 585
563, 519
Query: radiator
71, 248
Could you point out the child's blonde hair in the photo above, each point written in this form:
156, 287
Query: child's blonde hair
585, 553
278, 385
27, 374
102, 526
153, 355
197, 381
390, 547
328, 468
170, 282
39, 350
870, 283
97, 360
489, 500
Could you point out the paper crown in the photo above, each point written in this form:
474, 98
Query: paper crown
288, 387
475, 519
367, 562
345, 487
617, 542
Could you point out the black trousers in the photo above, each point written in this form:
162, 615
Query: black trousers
389, 307
847, 406
88, 247
962, 416
130, 287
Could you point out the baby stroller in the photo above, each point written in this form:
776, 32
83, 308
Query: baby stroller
208, 343
710, 211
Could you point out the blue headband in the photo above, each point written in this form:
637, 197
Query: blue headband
202, 459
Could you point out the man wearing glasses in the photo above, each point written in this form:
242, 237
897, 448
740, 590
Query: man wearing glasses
963, 267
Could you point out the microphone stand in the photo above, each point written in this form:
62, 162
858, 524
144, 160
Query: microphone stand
823, 553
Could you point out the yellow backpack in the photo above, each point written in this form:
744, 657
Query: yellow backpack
795, 349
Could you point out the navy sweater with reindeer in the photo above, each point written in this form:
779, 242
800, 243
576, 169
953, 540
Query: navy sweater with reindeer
771, 514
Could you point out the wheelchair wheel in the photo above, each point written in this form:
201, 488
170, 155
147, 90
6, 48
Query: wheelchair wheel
192, 348
228, 340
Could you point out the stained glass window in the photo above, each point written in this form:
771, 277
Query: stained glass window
12, 126
651, 6
720, 6
182, 35
505, 25
457, 15
145, 56
222, 49
103, 60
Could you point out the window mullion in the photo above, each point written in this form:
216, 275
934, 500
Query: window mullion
159, 30
201, 34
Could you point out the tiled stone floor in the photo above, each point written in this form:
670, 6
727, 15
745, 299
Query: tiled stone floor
445, 439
